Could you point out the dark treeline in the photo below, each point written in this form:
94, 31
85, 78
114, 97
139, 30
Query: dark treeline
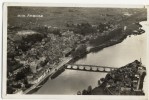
102, 39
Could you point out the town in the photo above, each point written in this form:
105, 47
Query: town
37, 51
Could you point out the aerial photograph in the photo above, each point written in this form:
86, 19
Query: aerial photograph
76, 51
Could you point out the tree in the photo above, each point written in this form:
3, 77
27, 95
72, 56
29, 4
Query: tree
10, 90
89, 90
84, 92
80, 51
78, 93
102, 79
99, 83
57, 32
20, 76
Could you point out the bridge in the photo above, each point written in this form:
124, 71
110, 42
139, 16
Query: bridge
91, 68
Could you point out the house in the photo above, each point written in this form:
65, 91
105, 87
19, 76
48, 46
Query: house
31, 81
33, 66
18, 91
125, 89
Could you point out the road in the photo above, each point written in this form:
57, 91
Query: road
51, 72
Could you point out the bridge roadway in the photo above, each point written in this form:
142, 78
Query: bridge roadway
91, 68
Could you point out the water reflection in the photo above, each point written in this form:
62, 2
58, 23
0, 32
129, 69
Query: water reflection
71, 81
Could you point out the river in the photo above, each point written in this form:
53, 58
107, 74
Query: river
71, 81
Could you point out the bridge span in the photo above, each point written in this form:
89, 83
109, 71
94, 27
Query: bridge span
91, 68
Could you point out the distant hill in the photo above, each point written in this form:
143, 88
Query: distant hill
60, 16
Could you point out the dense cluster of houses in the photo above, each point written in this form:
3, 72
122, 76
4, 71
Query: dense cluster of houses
127, 80
39, 76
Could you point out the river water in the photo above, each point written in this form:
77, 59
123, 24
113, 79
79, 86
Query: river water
71, 81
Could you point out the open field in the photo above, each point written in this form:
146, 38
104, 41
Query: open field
60, 17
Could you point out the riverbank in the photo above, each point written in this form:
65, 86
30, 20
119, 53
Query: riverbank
30, 55
70, 81
118, 39
49, 73
119, 34
126, 80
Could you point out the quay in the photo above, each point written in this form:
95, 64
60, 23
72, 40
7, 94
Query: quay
51, 71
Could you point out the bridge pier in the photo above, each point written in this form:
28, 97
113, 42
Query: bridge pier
104, 70
98, 69
84, 68
90, 68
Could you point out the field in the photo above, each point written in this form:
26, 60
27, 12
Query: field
60, 17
